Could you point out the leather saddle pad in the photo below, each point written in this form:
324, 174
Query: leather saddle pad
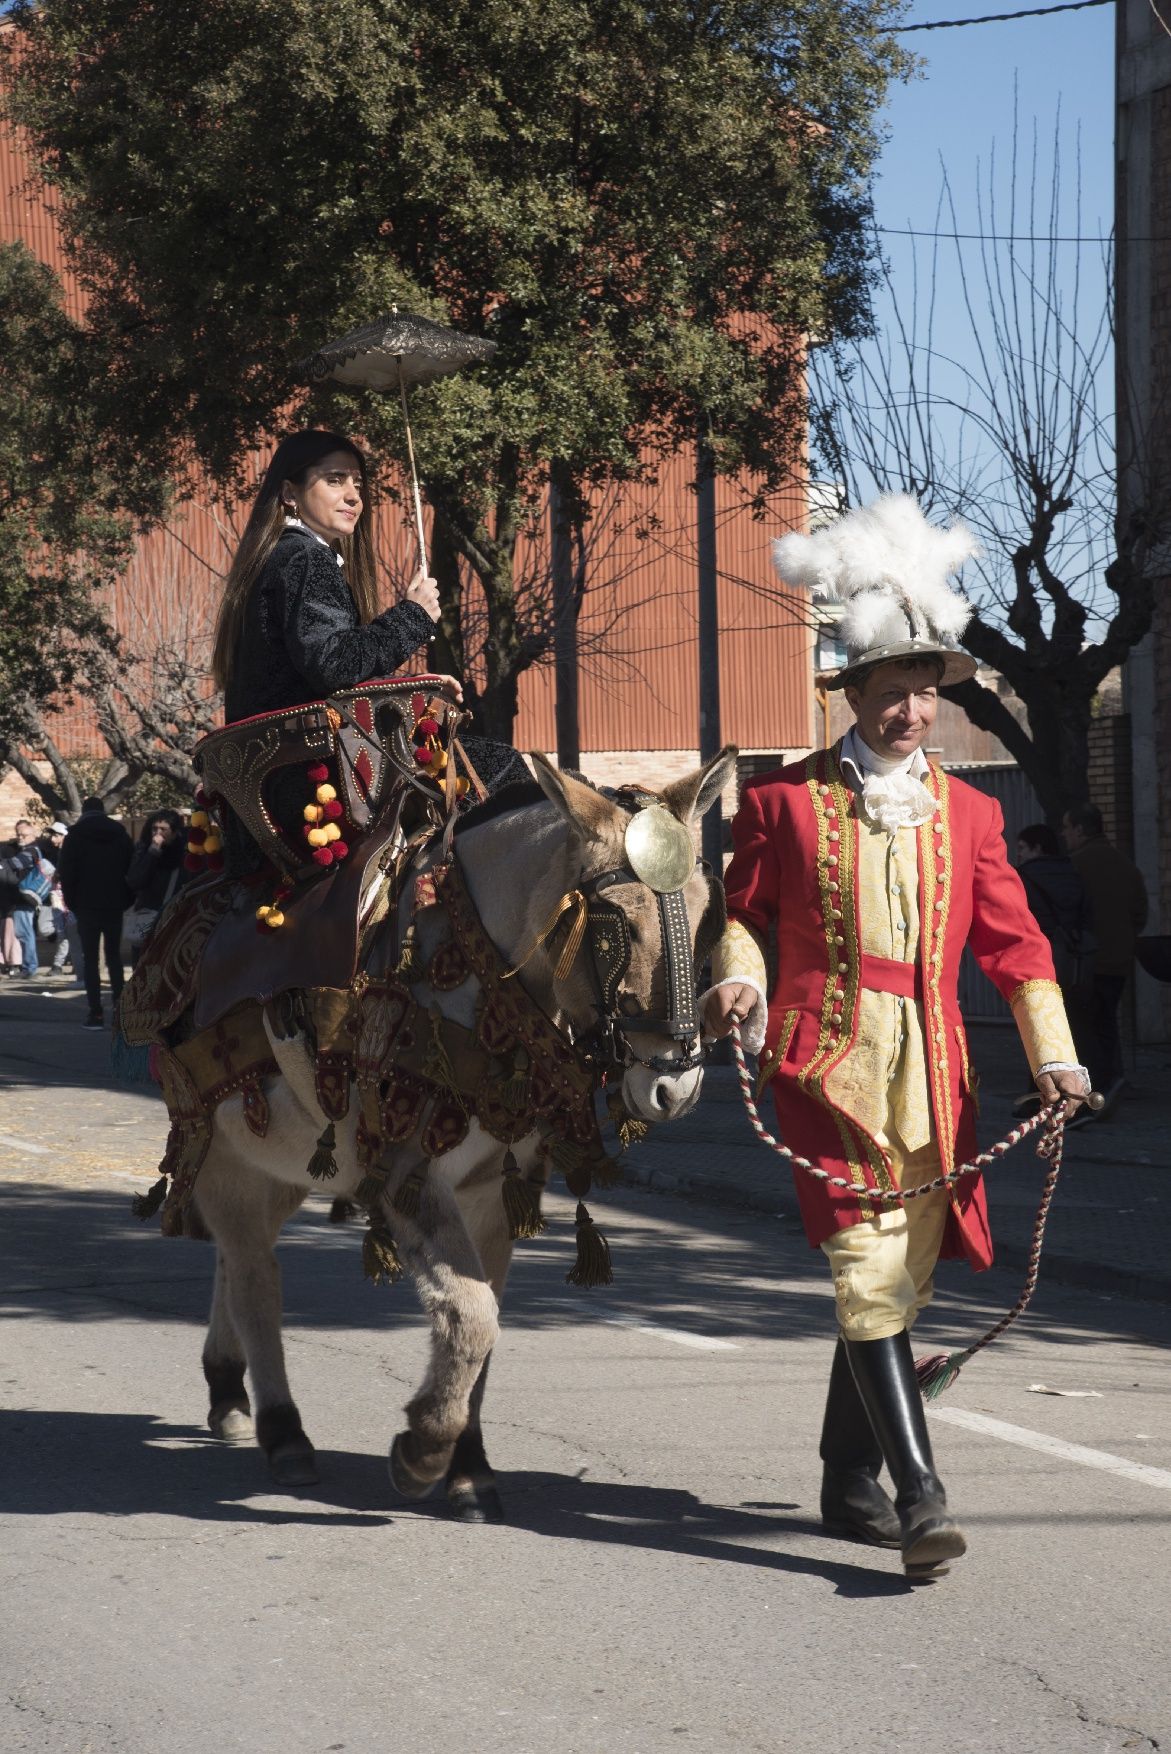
316, 947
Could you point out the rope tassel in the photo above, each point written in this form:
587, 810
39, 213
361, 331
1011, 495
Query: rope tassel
380, 1259
322, 1165
592, 1266
522, 1202
146, 1205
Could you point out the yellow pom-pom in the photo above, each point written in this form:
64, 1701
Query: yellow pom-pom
213, 843
325, 794
276, 918
317, 837
462, 787
199, 819
312, 813
262, 913
331, 831
438, 760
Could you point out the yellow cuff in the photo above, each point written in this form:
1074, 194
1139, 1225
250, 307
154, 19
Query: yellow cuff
1039, 1013
739, 957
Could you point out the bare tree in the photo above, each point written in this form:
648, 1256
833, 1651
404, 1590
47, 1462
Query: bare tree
1018, 440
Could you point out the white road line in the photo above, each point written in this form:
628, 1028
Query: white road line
25, 1145
1055, 1446
679, 1336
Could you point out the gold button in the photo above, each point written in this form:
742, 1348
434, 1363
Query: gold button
834, 835
835, 887
838, 939
832, 859
843, 967
835, 913
938, 906
835, 1017
824, 790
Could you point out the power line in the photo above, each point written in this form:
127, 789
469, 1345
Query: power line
1006, 237
1001, 17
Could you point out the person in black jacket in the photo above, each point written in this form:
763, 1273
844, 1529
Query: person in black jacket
299, 618
1061, 906
93, 865
156, 870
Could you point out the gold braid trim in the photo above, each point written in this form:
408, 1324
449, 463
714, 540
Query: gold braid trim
831, 1048
774, 1061
936, 881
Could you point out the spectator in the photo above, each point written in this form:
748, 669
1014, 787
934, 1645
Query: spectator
64, 923
155, 873
22, 858
94, 862
1060, 904
1118, 902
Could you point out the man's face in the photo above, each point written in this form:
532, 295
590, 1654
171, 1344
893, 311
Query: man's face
24, 834
896, 707
1073, 835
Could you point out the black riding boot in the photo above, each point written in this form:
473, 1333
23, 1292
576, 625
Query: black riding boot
852, 1501
884, 1371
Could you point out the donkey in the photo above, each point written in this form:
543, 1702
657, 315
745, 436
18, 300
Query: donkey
456, 1247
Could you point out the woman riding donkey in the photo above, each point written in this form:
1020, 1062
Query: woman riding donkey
300, 620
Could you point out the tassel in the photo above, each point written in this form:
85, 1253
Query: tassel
129, 1065
380, 1260
409, 965
514, 1090
406, 1200
322, 1166
522, 1202
342, 1210
937, 1373
146, 1205
630, 1130
370, 1187
565, 1156
592, 1266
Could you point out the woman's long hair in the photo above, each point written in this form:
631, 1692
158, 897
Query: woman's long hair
292, 461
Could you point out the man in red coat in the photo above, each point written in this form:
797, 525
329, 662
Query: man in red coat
875, 869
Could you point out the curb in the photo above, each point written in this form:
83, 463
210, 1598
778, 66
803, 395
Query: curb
1056, 1269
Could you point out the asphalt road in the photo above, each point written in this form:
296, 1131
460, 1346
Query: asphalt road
661, 1582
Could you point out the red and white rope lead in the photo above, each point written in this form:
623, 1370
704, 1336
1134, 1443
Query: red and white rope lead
936, 1373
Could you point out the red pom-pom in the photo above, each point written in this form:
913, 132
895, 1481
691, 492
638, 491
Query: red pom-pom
428, 727
194, 862
423, 757
333, 809
318, 774
340, 850
215, 861
323, 855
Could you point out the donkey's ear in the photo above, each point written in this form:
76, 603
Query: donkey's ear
693, 797
582, 807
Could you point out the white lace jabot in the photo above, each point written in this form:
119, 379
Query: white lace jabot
893, 793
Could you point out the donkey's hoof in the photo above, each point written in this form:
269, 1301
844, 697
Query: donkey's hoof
293, 1463
402, 1476
231, 1425
474, 1501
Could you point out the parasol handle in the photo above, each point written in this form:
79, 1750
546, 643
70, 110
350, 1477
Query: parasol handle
402, 390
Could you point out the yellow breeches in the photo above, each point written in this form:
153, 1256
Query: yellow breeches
882, 1267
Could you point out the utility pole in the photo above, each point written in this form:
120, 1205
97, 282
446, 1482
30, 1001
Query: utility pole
565, 671
710, 742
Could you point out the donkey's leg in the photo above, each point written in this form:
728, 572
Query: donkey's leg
471, 1484
244, 1210
454, 1290
230, 1413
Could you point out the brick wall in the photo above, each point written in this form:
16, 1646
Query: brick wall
1111, 777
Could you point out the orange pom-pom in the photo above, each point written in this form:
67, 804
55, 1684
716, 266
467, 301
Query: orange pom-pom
312, 813
331, 831
317, 837
325, 794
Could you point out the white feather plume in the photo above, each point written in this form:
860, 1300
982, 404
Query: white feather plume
880, 562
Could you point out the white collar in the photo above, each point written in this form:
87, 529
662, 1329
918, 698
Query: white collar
296, 524
857, 753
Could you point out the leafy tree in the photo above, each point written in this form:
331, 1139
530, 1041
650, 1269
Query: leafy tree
646, 206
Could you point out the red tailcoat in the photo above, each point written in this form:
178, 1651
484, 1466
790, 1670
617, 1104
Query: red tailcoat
796, 861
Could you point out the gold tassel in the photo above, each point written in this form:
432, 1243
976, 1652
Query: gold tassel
437, 1066
380, 1260
406, 1200
630, 1130
322, 1166
522, 1202
514, 1090
146, 1205
592, 1266
576, 901
370, 1187
409, 965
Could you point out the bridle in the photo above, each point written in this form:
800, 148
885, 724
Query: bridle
660, 857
